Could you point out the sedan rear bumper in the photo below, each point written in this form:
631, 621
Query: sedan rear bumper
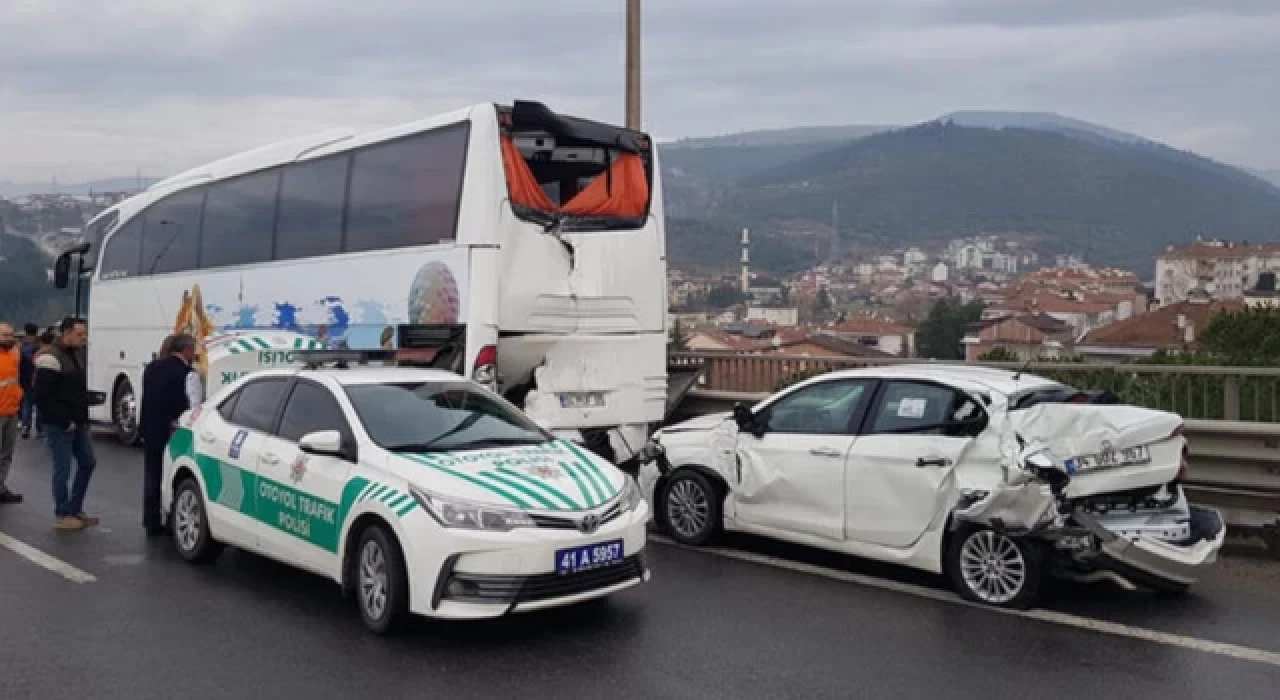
1151, 562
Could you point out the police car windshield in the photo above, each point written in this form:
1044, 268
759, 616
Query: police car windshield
436, 416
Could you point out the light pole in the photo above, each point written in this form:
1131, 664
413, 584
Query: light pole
633, 64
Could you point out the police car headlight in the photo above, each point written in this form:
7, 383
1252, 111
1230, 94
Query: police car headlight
465, 515
631, 496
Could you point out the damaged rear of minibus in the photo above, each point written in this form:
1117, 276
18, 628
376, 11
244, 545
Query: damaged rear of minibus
1097, 487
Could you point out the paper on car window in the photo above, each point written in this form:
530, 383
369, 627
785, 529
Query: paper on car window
912, 408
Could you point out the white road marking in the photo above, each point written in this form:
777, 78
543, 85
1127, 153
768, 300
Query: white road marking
1234, 651
47, 561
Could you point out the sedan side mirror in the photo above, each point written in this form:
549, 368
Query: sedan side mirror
746, 420
322, 442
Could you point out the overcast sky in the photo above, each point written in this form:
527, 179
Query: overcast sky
94, 89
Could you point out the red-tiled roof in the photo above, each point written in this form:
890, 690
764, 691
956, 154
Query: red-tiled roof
1159, 328
869, 325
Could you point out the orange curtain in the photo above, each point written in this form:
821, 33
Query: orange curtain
521, 183
622, 191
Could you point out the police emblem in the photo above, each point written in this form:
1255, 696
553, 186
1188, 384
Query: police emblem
545, 471
299, 469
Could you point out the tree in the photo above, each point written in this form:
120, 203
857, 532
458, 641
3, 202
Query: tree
940, 335
1250, 336
999, 354
677, 342
725, 296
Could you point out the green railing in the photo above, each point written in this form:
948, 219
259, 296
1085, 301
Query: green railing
1193, 391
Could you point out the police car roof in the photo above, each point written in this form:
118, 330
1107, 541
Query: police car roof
383, 375
368, 375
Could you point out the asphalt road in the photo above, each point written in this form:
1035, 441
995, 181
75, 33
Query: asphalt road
710, 625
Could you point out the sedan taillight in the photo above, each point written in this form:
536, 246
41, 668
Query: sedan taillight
1185, 468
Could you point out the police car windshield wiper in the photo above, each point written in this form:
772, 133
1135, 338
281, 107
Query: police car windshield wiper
499, 442
434, 446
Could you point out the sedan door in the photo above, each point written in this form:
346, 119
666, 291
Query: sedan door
790, 476
901, 470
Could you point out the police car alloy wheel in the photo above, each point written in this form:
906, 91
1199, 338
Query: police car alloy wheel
190, 525
382, 588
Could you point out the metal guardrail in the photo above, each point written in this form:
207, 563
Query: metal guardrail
1250, 394
1234, 465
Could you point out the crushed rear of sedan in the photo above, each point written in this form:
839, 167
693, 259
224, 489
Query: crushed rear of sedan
992, 478
1101, 486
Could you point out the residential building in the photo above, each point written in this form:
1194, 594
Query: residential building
776, 315
884, 335
1175, 327
1221, 269
1264, 294
825, 345
1029, 336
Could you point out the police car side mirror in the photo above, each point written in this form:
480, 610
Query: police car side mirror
322, 442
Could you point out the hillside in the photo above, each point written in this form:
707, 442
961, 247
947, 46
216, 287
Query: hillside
25, 291
114, 184
1119, 201
1039, 121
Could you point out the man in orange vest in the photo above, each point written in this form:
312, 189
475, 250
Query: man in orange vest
10, 406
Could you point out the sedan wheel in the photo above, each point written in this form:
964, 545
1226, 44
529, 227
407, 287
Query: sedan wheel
690, 510
993, 568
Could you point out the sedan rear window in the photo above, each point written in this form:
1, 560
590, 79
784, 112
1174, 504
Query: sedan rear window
440, 416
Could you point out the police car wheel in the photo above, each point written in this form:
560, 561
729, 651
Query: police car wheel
382, 586
189, 524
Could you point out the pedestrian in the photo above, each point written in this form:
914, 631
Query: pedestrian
169, 387
62, 403
30, 344
10, 407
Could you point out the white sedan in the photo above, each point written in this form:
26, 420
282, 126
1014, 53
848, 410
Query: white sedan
417, 490
991, 477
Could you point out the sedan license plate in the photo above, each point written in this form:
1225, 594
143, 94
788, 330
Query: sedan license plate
591, 556
1114, 458
582, 399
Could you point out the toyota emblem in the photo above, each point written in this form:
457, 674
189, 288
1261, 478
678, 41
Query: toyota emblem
589, 523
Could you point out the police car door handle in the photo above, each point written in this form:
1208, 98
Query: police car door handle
825, 452
207, 436
270, 458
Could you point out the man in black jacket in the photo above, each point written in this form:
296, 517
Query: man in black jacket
169, 387
62, 405
30, 344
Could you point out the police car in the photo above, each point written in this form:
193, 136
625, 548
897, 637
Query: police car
418, 491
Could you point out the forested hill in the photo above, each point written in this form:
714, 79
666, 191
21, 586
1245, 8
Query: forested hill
1115, 201
26, 294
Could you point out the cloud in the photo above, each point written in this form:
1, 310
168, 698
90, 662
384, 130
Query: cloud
93, 90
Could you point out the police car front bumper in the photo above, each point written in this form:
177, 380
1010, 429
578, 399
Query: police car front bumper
488, 575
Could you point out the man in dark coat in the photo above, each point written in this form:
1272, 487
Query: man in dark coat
62, 406
169, 387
